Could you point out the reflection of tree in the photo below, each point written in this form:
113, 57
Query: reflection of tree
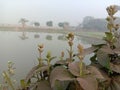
23, 37
61, 37
36, 36
49, 37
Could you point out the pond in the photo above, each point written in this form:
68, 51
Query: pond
21, 48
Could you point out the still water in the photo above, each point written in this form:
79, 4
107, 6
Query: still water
21, 48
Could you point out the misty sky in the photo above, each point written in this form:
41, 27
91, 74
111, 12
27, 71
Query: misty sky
72, 11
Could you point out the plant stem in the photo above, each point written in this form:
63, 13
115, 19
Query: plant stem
81, 67
8, 79
71, 57
40, 60
48, 67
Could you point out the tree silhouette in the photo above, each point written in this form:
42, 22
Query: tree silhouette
23, 22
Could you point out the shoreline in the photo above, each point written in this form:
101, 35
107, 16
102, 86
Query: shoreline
81, 32
36, 29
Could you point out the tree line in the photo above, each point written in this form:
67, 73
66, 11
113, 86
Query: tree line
23, 22
91, 23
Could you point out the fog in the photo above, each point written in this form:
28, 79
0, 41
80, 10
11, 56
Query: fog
72, 11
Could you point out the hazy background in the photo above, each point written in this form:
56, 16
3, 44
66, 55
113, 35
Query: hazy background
73, 11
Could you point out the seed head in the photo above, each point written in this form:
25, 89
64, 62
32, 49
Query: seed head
62, 54
80, 48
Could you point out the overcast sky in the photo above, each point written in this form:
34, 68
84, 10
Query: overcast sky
72, 11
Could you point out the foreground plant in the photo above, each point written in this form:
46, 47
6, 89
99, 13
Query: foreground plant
62, 55
102, 74
69, 74
40, 49
7, 75
48, 59
81, 57
70, 38
107, 56
40, 74
108, 53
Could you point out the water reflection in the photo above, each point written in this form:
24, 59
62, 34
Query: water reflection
24, 52
23, 36
62, 37
36, 35
49, 37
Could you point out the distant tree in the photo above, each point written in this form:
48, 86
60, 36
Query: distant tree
37, 24
95, 24
23, 22
49, 23
87, 19
60, 24
66, 25
63, 24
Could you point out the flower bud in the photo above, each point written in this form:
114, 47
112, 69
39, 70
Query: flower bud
70, 36
70, 43
80, 48
41, 46
62, 54
116, 26
108, 18
48, 54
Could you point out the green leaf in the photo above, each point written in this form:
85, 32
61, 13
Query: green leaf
8, 80
103, 59
48, 54
23, 84
109, 26
52, 58
109, 37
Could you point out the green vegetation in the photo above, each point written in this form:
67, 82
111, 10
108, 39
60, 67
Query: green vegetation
91, 23
37, 24
63, 24
49, 23
8, 75
68, 74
